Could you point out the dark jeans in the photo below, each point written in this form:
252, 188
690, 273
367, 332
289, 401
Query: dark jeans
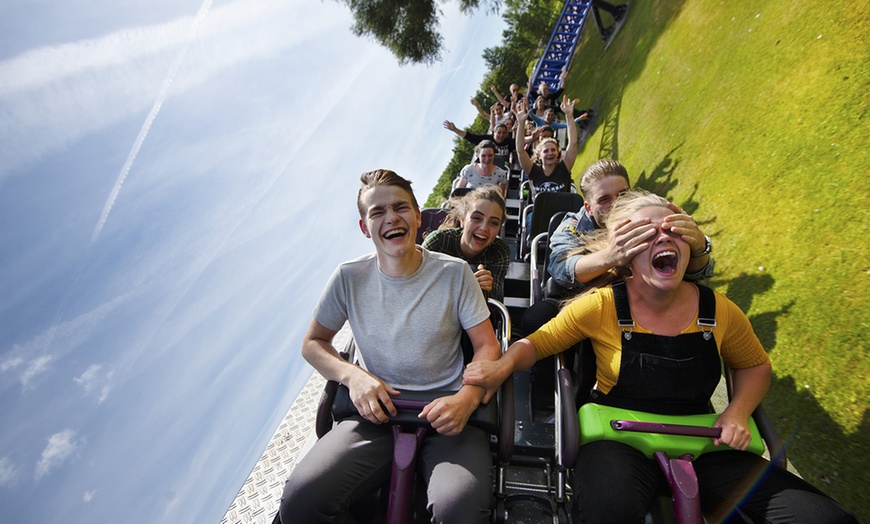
617, 483
356, 456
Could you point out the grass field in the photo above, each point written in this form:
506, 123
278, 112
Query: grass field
753, 117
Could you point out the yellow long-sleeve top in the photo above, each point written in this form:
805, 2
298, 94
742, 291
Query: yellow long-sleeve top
594, 317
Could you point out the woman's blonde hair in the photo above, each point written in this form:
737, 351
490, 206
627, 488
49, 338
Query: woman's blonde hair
459, 206
627, 204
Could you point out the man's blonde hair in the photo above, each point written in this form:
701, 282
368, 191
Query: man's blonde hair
382, 177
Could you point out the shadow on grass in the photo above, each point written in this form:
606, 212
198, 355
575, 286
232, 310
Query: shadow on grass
661, 179
820, 450
834, 462
637, 38
609, 147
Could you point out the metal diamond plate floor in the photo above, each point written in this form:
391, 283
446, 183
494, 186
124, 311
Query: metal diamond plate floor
257, 501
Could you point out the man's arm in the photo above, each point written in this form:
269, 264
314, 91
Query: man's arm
452, 127
564, 240
498, 96
367, 392
536, 119
480, 110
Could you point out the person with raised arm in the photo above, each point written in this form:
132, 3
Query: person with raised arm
514, 92
496, 115
501, 137
552, 172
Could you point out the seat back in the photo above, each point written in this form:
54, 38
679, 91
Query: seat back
545, 206
430, 219
548, 204
540, 276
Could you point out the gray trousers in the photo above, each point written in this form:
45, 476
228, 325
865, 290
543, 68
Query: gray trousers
356, 456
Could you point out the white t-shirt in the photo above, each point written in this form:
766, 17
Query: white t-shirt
475, 179
407, 329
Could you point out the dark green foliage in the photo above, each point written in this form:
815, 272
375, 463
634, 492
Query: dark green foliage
408, 28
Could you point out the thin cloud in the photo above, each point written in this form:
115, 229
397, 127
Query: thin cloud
35, 368
11, 363
31, 358
9, 473
61, 446
93, 380
53, 96
89, 496
89, 377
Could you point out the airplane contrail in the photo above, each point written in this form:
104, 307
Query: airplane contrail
137, 145
149, 120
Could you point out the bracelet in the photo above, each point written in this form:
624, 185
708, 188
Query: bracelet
708, 246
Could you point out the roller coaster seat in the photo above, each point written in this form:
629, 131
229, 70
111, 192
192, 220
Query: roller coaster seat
544, 206
430, 219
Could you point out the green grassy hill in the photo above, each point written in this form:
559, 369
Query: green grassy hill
753, 117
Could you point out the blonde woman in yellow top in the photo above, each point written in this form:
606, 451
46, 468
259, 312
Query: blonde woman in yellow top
658, 341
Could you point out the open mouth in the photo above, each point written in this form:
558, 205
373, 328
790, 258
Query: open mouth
395, 233
479, 238
665, 262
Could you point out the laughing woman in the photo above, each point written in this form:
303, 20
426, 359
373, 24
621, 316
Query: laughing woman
484, 172
653, 354
479, 214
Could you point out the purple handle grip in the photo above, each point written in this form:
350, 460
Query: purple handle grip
666, 429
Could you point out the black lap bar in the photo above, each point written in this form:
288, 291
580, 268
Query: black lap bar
410, 403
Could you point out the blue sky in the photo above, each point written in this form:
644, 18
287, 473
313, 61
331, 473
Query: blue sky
177, 181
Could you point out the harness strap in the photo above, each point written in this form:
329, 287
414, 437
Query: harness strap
706, 309
623, 312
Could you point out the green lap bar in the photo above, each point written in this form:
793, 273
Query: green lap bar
595, 425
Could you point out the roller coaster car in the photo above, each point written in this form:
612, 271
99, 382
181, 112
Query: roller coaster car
398, 502
673, 441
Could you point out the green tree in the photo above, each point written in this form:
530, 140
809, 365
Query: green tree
408, 28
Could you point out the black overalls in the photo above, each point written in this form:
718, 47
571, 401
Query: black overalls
677, 375
661, 374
